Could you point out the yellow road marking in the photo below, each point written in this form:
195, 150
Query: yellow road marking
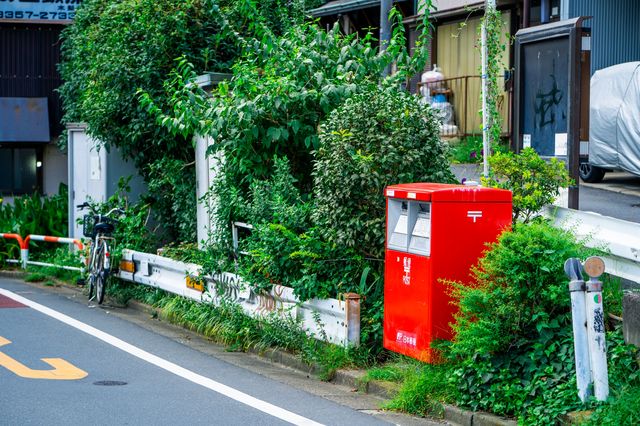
62, 370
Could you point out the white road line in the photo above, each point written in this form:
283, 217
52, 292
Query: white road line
218, 387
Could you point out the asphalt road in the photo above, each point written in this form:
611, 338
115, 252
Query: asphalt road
618, 195
116, 372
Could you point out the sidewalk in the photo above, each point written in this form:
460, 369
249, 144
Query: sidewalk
470, 172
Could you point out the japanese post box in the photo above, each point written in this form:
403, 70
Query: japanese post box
435, 233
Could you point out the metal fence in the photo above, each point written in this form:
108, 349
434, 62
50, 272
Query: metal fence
459, 100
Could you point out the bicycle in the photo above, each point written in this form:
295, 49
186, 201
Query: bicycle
99, 228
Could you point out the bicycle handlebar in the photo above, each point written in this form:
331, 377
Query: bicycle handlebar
86, 205
116, 209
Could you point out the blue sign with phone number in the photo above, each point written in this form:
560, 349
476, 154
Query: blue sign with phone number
38, 10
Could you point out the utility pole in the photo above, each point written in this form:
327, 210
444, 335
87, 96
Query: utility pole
489, 6
385, 30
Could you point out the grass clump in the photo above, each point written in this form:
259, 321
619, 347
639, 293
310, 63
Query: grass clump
229, 325
35, 277
425, 392
424, 387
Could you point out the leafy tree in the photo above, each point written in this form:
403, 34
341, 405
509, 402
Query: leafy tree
116, 48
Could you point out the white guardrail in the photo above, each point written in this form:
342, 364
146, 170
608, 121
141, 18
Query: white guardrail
619, 239
337, 321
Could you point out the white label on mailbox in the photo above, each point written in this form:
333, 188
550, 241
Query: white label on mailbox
411, 195
407, 339
390, 192
474, 214
406, 278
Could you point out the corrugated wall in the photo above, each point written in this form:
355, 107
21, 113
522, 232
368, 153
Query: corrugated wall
615, 30
29, 54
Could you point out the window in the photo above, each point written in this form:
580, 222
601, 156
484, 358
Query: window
19, 170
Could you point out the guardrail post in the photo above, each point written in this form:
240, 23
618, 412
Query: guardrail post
352, 314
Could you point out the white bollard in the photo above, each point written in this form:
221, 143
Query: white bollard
594, 267
573, 268
24, 257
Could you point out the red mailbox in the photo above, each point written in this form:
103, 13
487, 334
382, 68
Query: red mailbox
434, 232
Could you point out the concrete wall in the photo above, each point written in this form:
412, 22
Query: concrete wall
94, 173
54, 172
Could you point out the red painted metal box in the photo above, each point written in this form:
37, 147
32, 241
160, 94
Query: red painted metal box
435, 232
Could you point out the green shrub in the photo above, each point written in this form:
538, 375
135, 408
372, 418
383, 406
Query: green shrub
521, 289
281, 90
513, 345
285, 249
533, 181
33, 214
380, 137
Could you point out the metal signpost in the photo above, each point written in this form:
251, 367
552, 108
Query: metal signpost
552, 71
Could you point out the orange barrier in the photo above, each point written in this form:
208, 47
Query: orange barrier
23, 244
24, 248
61, 240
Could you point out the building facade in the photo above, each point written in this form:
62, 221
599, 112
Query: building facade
30, 107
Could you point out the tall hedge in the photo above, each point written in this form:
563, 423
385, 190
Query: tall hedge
379, 137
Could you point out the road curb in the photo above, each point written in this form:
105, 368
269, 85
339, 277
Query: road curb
354, 379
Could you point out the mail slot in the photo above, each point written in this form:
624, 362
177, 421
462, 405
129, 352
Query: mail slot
435, 233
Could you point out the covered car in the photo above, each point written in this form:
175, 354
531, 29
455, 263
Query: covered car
614, 122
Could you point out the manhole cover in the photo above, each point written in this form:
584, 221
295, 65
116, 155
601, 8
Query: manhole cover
109, 383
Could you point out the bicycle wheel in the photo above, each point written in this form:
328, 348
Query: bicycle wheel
93, 269
101, 277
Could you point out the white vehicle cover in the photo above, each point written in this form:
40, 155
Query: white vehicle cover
614, 118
